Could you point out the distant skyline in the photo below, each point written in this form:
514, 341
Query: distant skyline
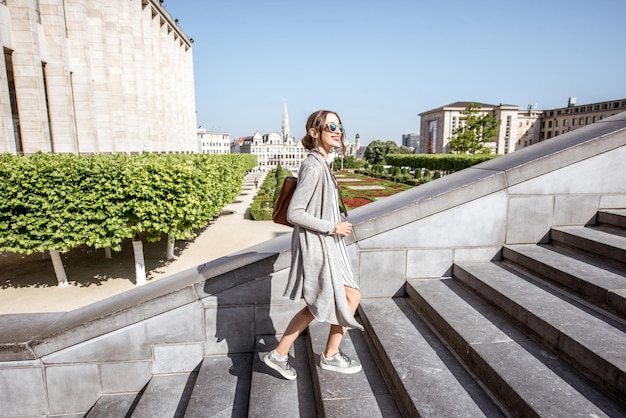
380, 64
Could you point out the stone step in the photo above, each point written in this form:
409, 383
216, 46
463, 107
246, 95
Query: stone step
592, 240
525, 379
362, 394
115, 405
222, 387
591, 344
165, 396
614, 217
273, 396
599, 285
426, 378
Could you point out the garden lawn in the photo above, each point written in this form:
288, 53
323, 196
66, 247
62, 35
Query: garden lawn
359, 190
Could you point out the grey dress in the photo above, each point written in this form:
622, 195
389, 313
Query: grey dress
318, 266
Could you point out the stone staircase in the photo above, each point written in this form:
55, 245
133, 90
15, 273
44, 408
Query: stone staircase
540, 332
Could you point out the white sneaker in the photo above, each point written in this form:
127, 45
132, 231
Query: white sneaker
340, 363
282, 367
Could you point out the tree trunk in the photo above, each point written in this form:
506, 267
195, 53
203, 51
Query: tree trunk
59, 270
170, 247
107, 252
140, 265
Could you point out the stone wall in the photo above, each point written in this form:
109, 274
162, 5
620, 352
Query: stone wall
94, 77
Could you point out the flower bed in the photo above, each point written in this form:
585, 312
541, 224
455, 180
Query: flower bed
355, 202
354, 197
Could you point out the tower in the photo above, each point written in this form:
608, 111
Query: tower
285, 129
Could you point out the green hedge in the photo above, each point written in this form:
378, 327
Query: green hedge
443, 162
280, 174
263, 204
60, 201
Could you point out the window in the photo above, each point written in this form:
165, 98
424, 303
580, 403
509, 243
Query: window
37, 14
45, 89
432, 137
8, 60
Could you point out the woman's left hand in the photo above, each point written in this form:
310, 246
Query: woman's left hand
343, 228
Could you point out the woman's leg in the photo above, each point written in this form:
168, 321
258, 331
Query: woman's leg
337, 331
298, 323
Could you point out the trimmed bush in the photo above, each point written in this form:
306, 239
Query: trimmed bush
60, 201
443, 162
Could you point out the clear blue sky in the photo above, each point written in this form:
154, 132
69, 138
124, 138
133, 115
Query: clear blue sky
381, 63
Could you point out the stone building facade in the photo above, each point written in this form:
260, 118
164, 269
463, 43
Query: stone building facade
565, 119
272, 150
518, 128
84, 77
213, 142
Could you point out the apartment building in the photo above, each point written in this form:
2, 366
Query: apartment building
213, 142
518, 128
83, 77
555, 122
272, 150
411, 140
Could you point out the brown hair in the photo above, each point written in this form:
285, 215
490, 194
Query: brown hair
316, 121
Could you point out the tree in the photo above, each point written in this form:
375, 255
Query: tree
479, 128
377, 151
349, 161
403, 150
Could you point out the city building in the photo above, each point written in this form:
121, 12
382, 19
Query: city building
559, 121
274, 148
213, 142
85, 77
411, 140
517, 129
352, 148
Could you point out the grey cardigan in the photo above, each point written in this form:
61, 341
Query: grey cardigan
315, 273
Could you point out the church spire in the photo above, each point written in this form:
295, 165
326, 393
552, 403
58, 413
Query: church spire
286, 133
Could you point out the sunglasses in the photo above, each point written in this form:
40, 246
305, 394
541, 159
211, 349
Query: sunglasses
332, 127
